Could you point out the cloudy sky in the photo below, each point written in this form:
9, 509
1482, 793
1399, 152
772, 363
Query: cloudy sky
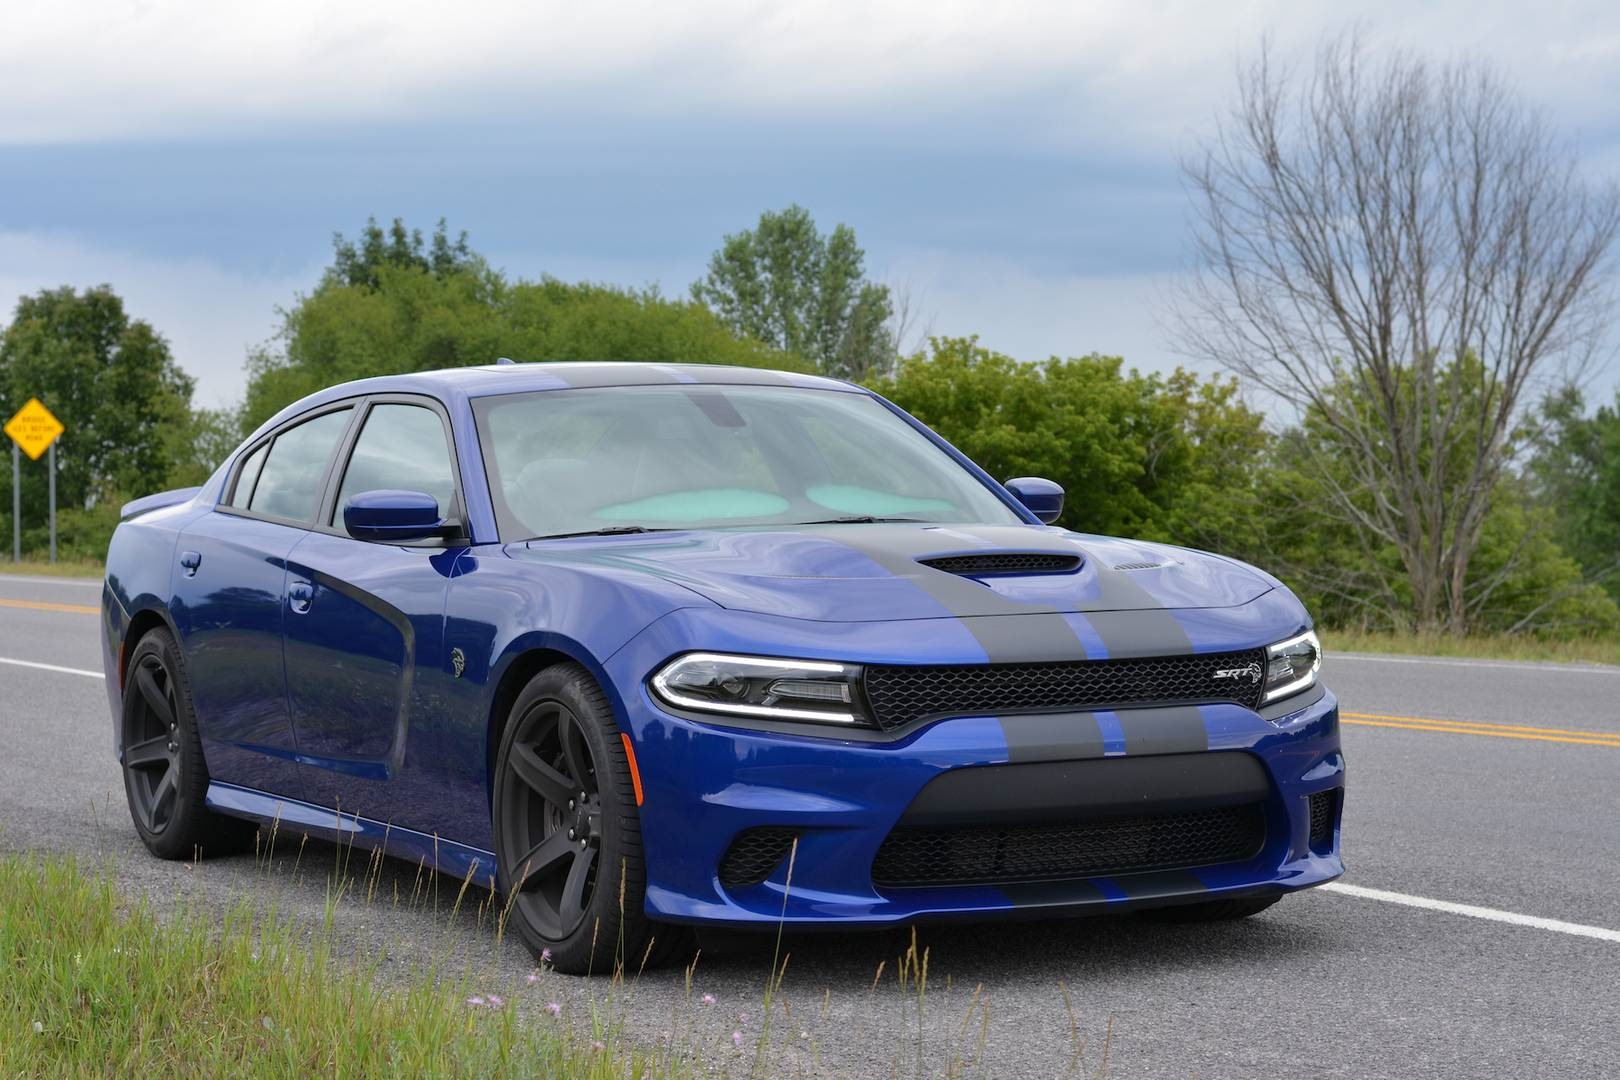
1012, 165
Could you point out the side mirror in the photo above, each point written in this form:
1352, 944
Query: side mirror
393, 517
1044, 498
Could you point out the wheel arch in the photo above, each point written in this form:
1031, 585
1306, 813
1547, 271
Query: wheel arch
142, 622
525, 658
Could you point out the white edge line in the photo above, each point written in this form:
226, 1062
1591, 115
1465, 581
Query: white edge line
1513, 918
42, 579
1510, 665
53, 667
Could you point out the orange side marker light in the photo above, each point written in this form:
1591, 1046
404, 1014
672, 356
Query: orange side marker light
635, 770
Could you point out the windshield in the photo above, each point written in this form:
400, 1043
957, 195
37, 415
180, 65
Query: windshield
697, 457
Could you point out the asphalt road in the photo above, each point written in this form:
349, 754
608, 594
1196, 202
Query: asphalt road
1494, 785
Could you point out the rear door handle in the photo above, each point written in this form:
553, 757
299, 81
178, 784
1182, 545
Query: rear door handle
299, 595
189, 561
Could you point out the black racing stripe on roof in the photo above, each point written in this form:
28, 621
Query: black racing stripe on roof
593, 376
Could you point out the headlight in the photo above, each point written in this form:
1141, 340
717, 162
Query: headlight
816, 691
1291, 666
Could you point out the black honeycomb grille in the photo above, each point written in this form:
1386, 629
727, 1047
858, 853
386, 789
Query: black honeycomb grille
1019, 562
754, 854
1323, 805
989, 854
902, 694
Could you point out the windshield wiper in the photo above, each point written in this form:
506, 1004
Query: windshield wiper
862, 519
611, 530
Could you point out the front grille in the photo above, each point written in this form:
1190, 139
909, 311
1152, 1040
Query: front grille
754, 854
901, 694
1323, 804
990, 854
1009, 562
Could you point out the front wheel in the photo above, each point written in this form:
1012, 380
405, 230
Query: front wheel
567, 830
165, 777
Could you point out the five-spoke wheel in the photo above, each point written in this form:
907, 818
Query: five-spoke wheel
567, 830
551, 819
164, 774
151, 743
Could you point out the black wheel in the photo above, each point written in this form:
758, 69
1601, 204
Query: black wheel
567, 833
164, 774
1212, 910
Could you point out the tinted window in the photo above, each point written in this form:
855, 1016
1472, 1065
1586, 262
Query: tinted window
290, 483
402, 447
701, 457
247, 478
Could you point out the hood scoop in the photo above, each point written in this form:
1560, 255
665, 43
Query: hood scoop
1005, 562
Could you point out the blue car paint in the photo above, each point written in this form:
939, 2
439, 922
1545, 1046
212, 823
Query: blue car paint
409, 767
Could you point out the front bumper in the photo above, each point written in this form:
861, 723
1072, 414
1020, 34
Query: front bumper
705, 784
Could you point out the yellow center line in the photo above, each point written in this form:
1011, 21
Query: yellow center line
1468, 727
1585, 733
46, 605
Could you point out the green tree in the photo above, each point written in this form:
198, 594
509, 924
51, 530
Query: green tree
1576, 475
1518, 580
391, 304
785, 283
111, 381
1164, 457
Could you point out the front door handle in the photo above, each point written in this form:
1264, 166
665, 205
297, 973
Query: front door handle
189, 561
299, 595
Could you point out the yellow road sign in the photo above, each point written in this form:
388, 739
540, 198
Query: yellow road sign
34, 428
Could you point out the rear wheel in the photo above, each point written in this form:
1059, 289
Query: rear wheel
567, 831
1212, 910
165, 777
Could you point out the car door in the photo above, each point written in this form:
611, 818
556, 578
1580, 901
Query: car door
364, 639
229, 598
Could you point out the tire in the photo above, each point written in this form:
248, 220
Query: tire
1212, 910
165, 777
563, 862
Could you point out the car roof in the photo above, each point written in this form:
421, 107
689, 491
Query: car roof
508, 377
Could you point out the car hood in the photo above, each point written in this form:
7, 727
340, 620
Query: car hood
876, 572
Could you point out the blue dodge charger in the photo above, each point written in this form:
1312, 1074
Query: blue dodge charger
647, 646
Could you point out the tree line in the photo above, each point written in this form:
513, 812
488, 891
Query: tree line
1400, 269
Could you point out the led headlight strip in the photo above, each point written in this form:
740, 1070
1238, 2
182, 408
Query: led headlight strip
816, 691
1291, 666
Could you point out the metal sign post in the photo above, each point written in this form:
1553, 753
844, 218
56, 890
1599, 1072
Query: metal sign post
52, 467
33, 431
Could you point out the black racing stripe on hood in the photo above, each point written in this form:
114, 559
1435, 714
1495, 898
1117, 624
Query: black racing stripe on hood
1004, 641
1131, 622
1066, 736
1169, 729
1160, 883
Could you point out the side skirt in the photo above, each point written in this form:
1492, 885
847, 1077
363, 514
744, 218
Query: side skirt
291, 815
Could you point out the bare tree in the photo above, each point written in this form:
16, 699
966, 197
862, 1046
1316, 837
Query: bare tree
1402, 251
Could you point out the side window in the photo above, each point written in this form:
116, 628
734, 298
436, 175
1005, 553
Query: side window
290, 481
247, 478
401, 447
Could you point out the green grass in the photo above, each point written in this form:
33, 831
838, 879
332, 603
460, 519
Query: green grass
1589, 650
94, 984
41, 568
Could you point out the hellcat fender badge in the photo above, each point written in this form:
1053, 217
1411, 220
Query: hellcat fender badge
458, 662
